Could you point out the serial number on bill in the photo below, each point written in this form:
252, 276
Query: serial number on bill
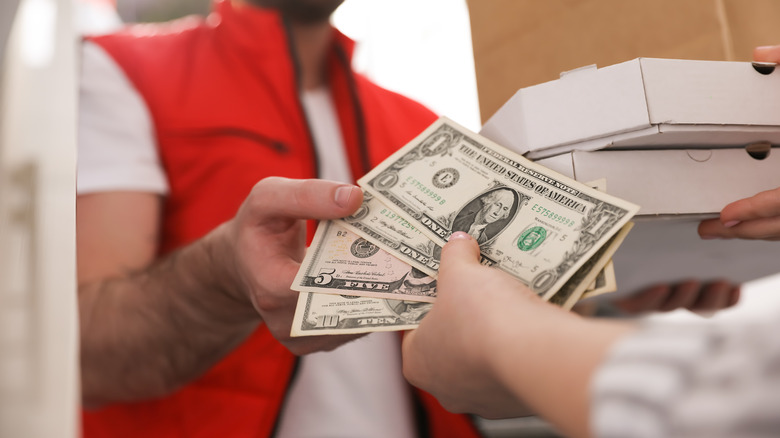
552, 215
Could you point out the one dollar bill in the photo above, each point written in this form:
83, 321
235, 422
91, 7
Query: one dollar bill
393, 233
531, 222
579, 284
604, 283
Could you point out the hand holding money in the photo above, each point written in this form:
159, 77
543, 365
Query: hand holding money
478, 314
551, 233
255, 255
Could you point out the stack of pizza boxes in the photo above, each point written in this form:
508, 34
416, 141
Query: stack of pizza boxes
680, 138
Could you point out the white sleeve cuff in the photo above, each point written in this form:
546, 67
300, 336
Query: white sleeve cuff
709, 379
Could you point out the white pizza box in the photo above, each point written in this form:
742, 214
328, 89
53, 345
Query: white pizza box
675, 181
668, 249
676, 189
645, 103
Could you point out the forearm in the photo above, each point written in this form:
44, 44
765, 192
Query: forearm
553, 374
147, 333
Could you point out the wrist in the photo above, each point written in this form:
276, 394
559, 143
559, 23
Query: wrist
553, 374
215, 268
532, 340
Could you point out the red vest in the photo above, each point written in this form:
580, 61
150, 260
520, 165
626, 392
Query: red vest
223, 97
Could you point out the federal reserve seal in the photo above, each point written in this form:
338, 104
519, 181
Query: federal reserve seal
445, 178
362, 248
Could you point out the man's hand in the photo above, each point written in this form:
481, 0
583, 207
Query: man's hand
181, 314
767, 54
757, 217
691, 295
265, 243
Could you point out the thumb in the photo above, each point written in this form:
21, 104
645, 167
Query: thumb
281, 198
767, 54
461, 249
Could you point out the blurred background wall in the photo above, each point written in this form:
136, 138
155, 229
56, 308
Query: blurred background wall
519, 43
7, 13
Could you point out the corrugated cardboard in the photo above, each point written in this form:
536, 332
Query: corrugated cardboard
519, 43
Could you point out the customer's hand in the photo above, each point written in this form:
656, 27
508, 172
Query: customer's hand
692, 295
450, 355
491, 346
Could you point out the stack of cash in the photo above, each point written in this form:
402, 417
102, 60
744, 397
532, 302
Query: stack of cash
376, 270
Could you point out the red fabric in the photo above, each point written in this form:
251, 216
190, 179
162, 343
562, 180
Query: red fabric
225, 107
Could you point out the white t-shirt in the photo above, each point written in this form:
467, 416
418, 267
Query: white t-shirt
357, 390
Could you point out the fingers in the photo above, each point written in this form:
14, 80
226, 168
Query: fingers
760, 206
765, 229
461, 249
715, 296
767, 54
648, 300
682, 296
274, 198
689, 294
757, 217
662, 297
734, 296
